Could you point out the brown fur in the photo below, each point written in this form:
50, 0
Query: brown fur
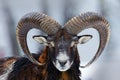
5, 63
65, 76
43, 57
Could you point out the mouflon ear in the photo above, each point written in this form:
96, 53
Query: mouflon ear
84, 38
41, 39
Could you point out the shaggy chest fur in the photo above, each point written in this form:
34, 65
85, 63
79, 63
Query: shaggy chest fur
21, 71
65, 76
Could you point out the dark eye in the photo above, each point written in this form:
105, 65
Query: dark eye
75, 38
50, 38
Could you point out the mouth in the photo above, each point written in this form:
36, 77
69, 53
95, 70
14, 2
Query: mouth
61, 67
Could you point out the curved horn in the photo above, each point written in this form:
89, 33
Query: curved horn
90, 20
38, 21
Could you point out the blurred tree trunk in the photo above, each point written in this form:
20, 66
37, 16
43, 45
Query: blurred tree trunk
11, 28
111, 46
103, 7
44, 5
69, 7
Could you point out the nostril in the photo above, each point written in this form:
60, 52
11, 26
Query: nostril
62, 63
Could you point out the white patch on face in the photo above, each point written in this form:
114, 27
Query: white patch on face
5, 75
62, 58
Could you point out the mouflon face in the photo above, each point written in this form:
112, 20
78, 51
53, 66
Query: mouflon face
63, 49
62, 58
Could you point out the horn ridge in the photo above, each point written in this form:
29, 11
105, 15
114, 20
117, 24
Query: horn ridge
90, 20
83, 21
38, 21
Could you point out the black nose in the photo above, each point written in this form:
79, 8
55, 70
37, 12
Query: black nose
62, 63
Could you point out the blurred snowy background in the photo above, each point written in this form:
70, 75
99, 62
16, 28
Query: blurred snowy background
107, 67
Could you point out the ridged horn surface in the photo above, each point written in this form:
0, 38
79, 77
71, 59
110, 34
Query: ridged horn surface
90, 20
38, 21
